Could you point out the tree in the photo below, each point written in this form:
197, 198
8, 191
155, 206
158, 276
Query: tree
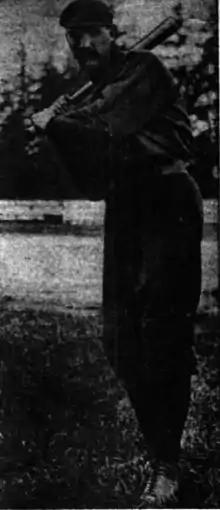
30, 167
194, 63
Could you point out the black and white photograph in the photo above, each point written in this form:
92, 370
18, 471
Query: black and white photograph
109, 254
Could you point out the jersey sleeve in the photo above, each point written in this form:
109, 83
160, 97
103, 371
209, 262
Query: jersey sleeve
138, 99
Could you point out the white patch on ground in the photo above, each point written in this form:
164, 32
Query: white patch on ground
65, 270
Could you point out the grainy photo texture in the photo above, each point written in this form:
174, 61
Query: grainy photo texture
109, 273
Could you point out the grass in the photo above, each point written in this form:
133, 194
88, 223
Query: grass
63, 439
68, 435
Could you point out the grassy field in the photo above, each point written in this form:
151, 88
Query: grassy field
68, 435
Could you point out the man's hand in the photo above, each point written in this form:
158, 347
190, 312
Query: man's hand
41, 119
38, 122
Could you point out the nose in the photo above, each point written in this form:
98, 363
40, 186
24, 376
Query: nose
85, 41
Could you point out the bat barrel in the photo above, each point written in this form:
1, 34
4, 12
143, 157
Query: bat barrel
167, 28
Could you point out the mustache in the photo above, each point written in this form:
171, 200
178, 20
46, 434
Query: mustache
87, 55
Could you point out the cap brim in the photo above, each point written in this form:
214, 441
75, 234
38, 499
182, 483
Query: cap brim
86, 24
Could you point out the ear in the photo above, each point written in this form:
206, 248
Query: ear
116, 33
113, 31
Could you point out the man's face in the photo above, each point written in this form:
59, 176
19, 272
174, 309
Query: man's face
91, 47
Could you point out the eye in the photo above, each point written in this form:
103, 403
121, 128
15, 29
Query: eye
94, 31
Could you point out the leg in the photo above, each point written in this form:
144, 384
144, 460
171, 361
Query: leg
167, 298
154, 326
160, 392
165, 305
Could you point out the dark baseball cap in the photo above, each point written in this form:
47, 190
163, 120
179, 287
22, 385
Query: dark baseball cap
85, 13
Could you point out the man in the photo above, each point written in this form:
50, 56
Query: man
128, 143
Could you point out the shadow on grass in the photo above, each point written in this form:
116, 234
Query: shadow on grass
68, 436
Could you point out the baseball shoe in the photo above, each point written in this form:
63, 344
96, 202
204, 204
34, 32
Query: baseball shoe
162, 486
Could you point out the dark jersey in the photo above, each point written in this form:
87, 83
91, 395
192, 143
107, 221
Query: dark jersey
142, 112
